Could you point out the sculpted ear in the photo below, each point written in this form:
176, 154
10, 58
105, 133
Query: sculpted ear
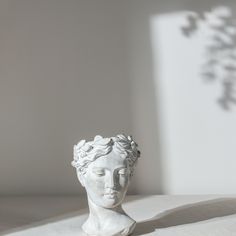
80, 177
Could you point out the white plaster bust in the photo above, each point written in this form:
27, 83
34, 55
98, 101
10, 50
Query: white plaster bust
104, 167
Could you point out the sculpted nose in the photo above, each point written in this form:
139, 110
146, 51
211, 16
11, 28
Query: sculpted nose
111, 181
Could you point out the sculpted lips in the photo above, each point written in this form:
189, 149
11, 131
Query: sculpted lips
111, 194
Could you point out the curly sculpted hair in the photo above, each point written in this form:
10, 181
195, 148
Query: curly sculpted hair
87, 152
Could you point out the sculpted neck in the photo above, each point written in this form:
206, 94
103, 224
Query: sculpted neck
98, 213
107, 221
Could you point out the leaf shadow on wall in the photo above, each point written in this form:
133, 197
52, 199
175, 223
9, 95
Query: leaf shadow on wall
220, 49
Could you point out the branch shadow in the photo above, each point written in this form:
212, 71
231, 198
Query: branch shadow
220, 50
187, 214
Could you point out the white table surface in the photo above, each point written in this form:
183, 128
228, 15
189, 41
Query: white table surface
212, 215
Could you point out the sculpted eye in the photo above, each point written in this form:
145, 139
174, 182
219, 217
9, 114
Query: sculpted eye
99, 172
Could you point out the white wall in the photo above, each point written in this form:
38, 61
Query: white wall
62, 78
72, 69
188, 139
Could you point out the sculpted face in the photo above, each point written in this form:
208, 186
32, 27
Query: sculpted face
106, 180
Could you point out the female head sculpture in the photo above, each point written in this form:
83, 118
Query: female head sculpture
104, 167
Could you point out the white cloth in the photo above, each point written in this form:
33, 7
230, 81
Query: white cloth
156, 215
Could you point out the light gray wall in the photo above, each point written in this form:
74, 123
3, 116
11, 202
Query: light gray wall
72, 69
187, 139
62, 78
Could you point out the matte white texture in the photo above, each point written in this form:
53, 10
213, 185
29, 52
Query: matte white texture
105, 167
